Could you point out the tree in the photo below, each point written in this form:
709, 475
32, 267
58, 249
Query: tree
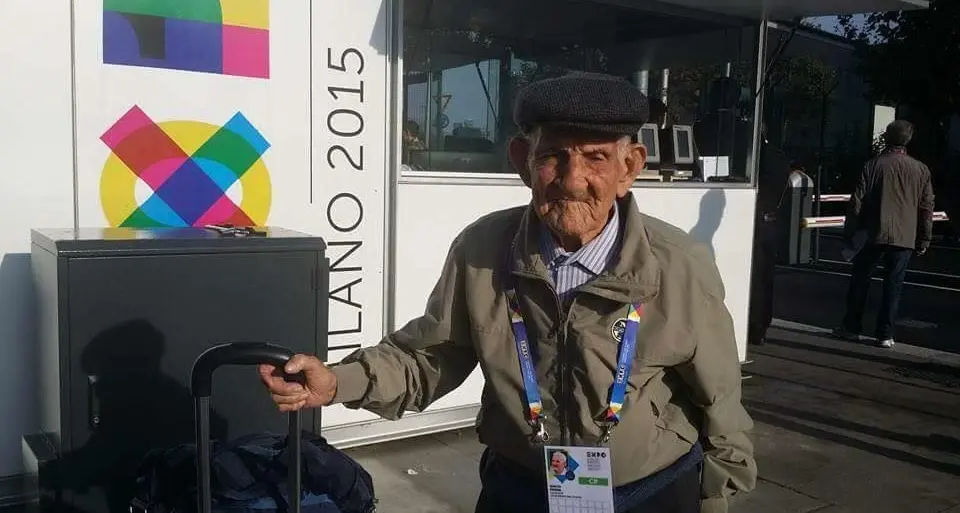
803, 84
912, 59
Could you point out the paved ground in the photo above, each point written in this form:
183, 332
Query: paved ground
816, 295
840, 428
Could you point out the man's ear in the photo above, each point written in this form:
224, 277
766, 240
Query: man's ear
518, 149
636, 161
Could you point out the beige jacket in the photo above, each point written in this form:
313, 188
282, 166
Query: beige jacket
685, 382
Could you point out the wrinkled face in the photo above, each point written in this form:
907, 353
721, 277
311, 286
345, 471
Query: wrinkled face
558, 463
576, 177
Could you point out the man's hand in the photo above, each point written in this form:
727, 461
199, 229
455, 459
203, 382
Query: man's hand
318, 388
922, 248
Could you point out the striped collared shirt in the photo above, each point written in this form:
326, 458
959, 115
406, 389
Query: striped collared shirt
571, 270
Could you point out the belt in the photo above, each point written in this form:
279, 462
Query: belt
634, 494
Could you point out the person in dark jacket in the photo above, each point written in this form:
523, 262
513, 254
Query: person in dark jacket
891, 214
773, 174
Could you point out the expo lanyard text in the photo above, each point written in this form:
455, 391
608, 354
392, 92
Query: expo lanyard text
618, 391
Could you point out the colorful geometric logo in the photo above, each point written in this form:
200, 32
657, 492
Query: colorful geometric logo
184, 173
228, 37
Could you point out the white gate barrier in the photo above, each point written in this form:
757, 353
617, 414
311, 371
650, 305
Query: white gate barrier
836, 221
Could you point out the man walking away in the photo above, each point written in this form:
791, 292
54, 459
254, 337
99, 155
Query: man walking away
892, 210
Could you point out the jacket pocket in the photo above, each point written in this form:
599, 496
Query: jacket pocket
671, 417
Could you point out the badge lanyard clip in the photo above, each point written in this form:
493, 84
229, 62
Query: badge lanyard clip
541, 436
605, 432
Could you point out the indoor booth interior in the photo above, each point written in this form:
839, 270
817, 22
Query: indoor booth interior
465, 61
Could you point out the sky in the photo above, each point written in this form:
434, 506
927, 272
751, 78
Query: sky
829, 23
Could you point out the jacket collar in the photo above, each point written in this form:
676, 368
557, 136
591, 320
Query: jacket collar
635, 272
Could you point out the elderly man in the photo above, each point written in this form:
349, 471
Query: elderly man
595, 327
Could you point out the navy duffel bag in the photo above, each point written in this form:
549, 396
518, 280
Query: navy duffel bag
249, 475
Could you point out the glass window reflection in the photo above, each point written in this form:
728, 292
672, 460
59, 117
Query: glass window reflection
465, 61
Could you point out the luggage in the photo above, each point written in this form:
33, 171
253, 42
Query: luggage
254, 473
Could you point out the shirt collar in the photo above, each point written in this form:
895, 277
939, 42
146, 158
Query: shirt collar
594, 256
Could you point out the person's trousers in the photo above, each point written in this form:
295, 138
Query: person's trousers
762, 278
895, 260
507, 489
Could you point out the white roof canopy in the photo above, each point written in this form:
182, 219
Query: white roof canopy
788, 9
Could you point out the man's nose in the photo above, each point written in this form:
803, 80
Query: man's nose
572, 171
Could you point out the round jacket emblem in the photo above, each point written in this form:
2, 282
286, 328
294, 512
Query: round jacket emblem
619, 326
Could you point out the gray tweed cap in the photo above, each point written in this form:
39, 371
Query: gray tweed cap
582, 101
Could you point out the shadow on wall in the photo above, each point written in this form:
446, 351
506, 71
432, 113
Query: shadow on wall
712, 206
378, 40
18, 358
126, 361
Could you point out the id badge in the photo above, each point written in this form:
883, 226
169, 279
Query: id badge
579, 479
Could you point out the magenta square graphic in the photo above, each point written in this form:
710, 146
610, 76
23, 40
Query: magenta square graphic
246, 51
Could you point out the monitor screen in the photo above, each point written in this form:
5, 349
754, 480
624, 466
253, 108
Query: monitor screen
650, 138
683, 144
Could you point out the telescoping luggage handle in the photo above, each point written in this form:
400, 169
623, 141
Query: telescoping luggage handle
201, 384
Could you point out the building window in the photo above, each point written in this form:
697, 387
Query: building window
464, 62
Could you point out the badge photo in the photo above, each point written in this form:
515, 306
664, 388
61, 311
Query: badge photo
561, 465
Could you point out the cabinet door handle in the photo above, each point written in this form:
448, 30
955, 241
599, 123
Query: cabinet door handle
93, 403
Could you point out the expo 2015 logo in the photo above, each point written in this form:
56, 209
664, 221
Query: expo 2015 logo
184, 173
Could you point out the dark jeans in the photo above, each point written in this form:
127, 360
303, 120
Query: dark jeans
508, 489
761, 280
895, 260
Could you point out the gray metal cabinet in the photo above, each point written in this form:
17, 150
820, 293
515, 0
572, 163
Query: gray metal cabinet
123, 315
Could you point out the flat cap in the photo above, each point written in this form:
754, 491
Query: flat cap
584, 101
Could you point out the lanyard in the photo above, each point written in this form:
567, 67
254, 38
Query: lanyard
628, 349
618, 391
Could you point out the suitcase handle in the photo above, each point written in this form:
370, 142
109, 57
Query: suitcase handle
201, 378
233, 353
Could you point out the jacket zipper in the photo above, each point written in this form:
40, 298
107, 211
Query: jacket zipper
566, 392
561, 361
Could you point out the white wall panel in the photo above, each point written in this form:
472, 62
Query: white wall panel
36, 190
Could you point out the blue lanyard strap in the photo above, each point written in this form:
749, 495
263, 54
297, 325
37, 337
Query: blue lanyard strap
628, 349
534, 406
618, 391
